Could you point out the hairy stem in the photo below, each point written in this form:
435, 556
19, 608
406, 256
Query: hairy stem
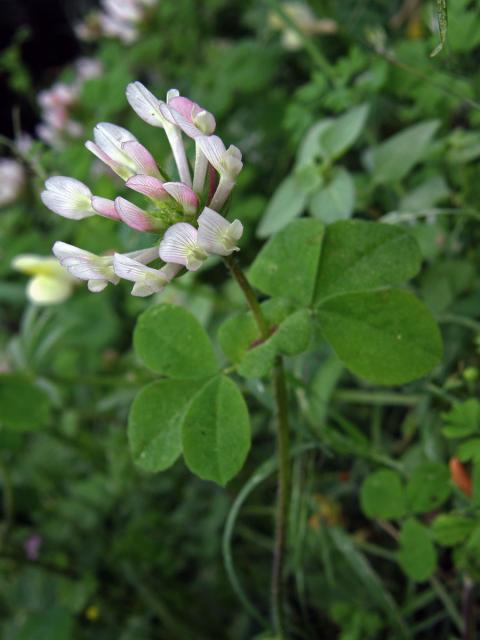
283, 454
283, 498
249, 294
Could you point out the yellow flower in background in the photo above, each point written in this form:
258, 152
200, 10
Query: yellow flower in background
92, 613
49, 282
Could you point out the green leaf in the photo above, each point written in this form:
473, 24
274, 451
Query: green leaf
23, 405
240, 339
450, 529
360, 256
388, 337
216, 431
417, 555
288, 202
363, 570
382, 495
462, 420
290, 338
428, 487
287, 265
171, 341
309, 150
469, 450
334, 200
55, 622
342, 133
393, 159
155, 420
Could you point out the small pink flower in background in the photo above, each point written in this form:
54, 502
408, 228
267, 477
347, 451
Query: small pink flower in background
184, 212
12, 180
118, 19
32, 546
57, 103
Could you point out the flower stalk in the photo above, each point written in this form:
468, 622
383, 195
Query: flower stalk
282, 452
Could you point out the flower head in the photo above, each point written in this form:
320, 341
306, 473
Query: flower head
172, 210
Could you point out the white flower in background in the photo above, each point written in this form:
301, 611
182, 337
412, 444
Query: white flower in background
12, 180
116, 19
57, 102
187, 238
302, 16
49, 282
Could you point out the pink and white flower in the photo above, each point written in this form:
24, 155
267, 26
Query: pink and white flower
147, 280
217, 235
96, 270
180, 245
185, 240
68, 197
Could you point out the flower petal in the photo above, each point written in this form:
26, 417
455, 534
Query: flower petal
145, 104
179, 245
148, 280
213, 149
68, 197
105, 207
46, 290
185, 196
142, 158
216, 234
148, 186
83, 264
133, 216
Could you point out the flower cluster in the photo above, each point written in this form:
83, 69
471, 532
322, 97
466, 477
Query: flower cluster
185, 213
57, 103
115, 20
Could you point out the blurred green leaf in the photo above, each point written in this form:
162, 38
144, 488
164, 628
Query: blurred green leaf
336, 139
428, 487
450, 529
393, 159
288, 202
24, 406
462, 420
334, 200
417, 555
382, 495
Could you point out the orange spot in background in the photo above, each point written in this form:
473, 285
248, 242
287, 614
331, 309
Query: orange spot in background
460, 476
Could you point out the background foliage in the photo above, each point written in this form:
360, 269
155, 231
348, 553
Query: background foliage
346, 128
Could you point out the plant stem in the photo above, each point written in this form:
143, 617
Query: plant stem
249, 294
468, 608
283, 498
283, 455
